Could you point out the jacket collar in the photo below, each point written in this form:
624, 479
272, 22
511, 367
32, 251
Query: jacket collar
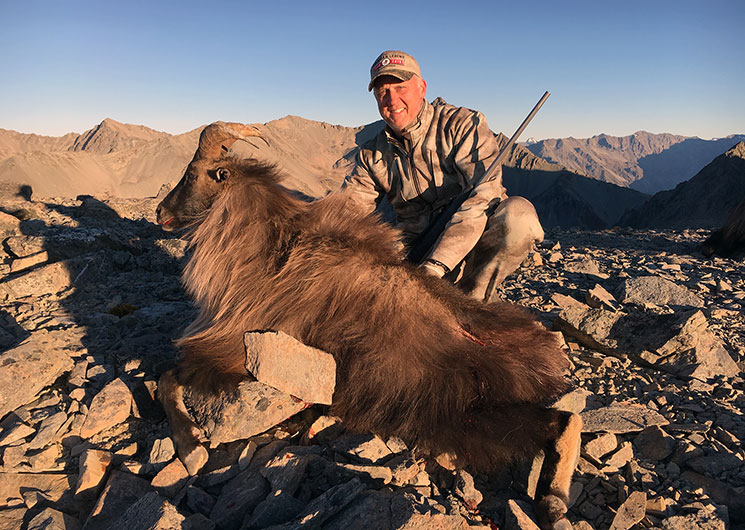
416, 130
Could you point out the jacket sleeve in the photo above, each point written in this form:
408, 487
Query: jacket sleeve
361, 186
474, 149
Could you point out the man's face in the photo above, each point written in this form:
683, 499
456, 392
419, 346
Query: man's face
399, 101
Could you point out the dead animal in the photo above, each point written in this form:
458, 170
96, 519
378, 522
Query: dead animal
416, 358
730, 238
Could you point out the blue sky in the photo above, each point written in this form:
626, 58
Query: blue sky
612, 67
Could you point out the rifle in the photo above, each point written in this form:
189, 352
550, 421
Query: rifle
423, 243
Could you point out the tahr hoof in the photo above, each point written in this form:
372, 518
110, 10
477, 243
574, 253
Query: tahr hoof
551, 512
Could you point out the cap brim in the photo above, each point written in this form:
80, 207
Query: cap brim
403, 75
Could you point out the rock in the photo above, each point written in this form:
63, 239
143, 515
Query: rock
696, 352
50, 519
574, 401
591, 327
49, 279
327, 505
92, 465
257, 407
171, 479
719, 492
701, 520
46, 460
198, 521
466, 490
620, 419
371, 510
599, 298
121, 491
277, 508
325, 429
283, 362
285, 472
515, 517
54, 489
371, 473
658, 291
151, 512
239, 497
619, 459
47, 431
162, 451
15, 432
714, 465
9, 224
199, 501
403, 469
109, 407
365, 448
407, 514
598, 447
631, 512
31, 366
20, 264
653, 444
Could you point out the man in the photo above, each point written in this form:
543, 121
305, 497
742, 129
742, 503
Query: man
429, 162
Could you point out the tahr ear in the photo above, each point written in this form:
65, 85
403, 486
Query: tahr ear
221, 174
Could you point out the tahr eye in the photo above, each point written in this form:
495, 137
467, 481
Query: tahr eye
221, 174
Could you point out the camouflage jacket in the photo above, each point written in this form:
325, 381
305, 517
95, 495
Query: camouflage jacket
440, 156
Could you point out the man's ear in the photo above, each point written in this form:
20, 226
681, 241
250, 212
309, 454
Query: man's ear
423, 85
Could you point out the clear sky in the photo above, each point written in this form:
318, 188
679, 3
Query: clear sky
612, 67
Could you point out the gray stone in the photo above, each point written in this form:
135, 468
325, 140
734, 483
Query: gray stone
328, 504
409, 514
598, 297
51, 519
701, 520
658, 291
370, 511
47, 431
111, 406
370, 473
466, 490
49, 279
366, 448
598, 447
573, 401
285, 472
619, 459
653, 444
283, 362
121, 491
591, 327
620, 419
277, 508
199, 501
258, 407
630, 512
714, 465
151, 512
55, 488
515, 517
31, 366
696, 352
27, 262
15, 432
198, 521
239, 497
162, 451
403, 469
719, 492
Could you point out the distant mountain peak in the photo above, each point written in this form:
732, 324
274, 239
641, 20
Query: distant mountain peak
737, 150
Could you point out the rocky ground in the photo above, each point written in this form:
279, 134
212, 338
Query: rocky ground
90, 302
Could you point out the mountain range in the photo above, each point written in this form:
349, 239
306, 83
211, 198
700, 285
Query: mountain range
124, 160
642, 161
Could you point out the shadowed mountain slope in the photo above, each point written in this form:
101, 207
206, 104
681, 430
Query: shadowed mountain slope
701, 202
643, 161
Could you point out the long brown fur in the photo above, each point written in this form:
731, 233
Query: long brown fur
416, 358
731, 237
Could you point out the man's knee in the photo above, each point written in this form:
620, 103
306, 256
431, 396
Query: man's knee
516, 220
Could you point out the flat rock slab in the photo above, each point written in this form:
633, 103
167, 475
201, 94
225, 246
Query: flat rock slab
109, 407
49, 279
630, 512
256, 408
57, 489
658, 291
239, 497
31, 366
620, 419
49, 519
283, 362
